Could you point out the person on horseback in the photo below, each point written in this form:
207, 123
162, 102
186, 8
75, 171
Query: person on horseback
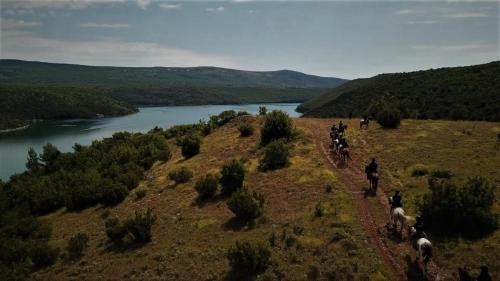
419, 229
395, 200
484, 275
341, 127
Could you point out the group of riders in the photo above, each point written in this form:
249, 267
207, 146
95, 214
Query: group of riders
417, 235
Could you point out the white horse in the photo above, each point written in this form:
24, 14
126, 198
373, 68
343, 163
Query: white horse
422, 246
398, 216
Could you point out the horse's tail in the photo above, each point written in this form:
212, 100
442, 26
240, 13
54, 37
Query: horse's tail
427, 252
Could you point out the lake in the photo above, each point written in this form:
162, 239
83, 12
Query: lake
64, 134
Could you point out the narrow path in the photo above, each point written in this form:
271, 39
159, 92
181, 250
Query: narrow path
349, 176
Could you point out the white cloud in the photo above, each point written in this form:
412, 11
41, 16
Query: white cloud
169, 6
477, 46
18, 24
54, 4
218, 9
466, 15
422, 22
22, 45
105, 25
143, 4
408, 12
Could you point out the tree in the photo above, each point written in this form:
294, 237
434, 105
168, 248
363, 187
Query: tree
33, 163
277, 125
49, 156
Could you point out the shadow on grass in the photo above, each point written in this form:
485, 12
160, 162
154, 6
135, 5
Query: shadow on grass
368, 192
237, 276
200, 203
126, 246
235, 224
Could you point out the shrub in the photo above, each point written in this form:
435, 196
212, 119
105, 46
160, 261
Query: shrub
248, 257
77, 244
449, 209
190, 145
137, 227
139, 194
115, 230
245, 130
181, 175
43, 255
140, 226
246, 205
319, 210
418, 172
275, 156
441, 174
277, 125
113, 193
232, 176
207, 186
389, 117
262, 110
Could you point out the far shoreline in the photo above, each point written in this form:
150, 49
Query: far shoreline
14, 129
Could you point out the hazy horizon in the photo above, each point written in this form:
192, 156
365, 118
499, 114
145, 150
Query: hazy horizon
334, 39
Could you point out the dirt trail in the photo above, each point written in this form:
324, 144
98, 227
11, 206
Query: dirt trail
350, 175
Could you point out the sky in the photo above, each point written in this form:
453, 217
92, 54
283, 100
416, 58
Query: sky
338, 39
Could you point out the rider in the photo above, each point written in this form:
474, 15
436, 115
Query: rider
341, 127
343, 143
484, 275
395, 200
419, 228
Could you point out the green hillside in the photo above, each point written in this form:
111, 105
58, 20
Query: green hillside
170, 85
468, 93
19, 104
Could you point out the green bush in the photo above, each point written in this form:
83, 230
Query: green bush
43, 256
262, 110
232, 176
115, 230
77, 244
245, 130
140, 226
113, 193
418, 172
190, 145
139, 194
181, 175
275, 156
207, 186
277, 125
248, 257
246, 205
449, 209
389, 117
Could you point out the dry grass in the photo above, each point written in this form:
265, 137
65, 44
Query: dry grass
190, 241
464, 148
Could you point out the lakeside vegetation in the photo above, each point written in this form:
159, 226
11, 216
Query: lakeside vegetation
455, 93
19, 105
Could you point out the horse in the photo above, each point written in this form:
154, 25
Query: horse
398, 215
364, 122
344, 154
373, 179
422, 246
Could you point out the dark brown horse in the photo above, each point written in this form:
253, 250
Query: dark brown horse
373, 178
364, 122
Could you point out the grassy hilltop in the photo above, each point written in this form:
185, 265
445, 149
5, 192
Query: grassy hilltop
458, 93
310, 222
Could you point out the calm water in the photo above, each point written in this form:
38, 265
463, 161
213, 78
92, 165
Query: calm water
64, 134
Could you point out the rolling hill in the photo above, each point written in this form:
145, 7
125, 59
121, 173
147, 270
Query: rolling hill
170, 85
466, 93
39, 90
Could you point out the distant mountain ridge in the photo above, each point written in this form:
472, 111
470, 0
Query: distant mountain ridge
460, 93
40, 90
14, 72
